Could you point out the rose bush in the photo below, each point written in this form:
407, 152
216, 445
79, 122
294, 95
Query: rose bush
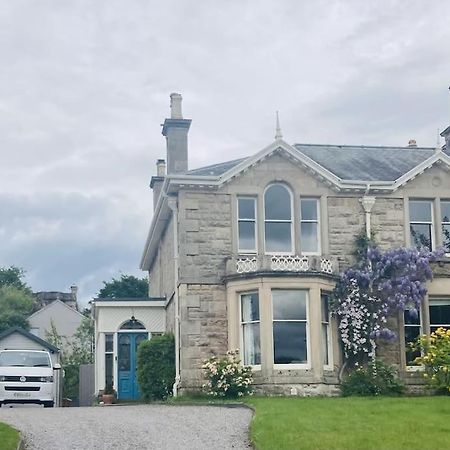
226, 377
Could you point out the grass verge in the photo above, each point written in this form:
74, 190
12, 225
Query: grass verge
9, 437
350, 423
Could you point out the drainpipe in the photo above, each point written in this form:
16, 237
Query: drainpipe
174, 207
367, 203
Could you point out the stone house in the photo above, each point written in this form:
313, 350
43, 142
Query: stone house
246, 252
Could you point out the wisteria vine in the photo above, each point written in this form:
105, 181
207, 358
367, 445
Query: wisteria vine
380, 285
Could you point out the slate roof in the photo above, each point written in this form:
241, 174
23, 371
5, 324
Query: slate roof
216, 169
348, 162
365, 163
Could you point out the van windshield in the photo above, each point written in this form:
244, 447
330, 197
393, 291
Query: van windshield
24, 359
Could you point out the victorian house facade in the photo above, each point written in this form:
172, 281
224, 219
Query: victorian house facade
246, 253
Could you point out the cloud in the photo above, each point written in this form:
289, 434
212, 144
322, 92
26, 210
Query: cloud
85, 86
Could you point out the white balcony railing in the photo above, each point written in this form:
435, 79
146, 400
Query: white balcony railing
282, 263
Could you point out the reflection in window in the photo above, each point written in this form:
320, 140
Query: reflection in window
412, 332
277, 219
439, 313
250, 329
247, 224
309, 225
326, 329
445, 221
124, 352
289, 326
421, 223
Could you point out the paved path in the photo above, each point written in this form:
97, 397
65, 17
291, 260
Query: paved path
131, 427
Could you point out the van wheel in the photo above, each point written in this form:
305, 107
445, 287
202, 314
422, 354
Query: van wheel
48, 404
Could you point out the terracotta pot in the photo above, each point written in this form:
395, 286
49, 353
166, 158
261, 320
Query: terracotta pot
108, 399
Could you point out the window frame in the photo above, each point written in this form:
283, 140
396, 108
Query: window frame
241, 330
317, 221
432, 223
442, 223
291, 221
329, 348
412, 368
437, 299
254, 221
303, 366
110, 352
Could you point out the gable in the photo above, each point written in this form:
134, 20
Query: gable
65, 319
433, 181
279, 166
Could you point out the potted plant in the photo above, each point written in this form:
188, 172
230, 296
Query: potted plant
109, 395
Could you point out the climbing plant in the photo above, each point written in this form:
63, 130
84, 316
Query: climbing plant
377, 286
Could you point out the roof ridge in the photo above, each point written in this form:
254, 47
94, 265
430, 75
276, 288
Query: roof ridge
364, 146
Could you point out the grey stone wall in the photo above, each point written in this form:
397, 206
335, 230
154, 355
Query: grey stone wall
161, 274
205, 236
387, 220
345, 221
203, 329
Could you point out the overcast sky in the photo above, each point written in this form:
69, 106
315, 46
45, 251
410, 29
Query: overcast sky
84, 87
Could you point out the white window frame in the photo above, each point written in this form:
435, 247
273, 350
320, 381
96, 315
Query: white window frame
241, 330
329, 349
303, 366
319, 233
433, 301
431, 224
410, 368
444, 223
254, 221
291, 221
110, 352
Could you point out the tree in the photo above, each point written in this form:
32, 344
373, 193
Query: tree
128, 286
13, 276
15, 306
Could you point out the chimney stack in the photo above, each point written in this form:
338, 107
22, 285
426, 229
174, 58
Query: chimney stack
176, 131
157, 181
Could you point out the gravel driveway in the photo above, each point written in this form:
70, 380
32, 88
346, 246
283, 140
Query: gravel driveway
131, 427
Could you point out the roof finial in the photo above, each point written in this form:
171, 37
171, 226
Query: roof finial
278, 134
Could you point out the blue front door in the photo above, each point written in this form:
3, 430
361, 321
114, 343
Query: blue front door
128, 388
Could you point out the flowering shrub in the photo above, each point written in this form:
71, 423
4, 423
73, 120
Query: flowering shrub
374, 379
380, 285
436, 358
226, 377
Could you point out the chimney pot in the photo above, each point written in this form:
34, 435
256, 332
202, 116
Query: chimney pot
175, 106
160, 168
412, 143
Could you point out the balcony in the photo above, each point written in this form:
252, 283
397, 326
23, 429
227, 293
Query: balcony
324, 264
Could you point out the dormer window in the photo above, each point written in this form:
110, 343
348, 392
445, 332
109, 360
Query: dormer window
278, 219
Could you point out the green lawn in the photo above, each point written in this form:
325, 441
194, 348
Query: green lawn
9, 437
282, 423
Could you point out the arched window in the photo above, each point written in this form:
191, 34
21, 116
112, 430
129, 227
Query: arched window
278, 219
132, 324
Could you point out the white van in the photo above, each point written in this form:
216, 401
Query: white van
26, 376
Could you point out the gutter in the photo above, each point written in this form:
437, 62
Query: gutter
174, 207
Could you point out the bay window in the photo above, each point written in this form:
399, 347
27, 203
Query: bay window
326, 329
278, 219
290, 326
251, 349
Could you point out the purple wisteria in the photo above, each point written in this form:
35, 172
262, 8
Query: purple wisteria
381, 284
